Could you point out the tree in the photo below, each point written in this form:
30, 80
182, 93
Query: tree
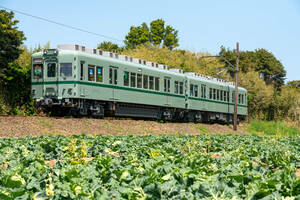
170, 38
109, 46
270, 69
158, 35
10, 40
157, 28
294, 84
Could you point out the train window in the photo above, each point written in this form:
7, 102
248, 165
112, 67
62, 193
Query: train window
116, 76
191, 90
151, 82
66, 69
110, 75
99, 74
214, 94
91, 71
210, 93
132, 79
51, 69
167, 85
157, 83
81, 70
233, 97
242, 98
37, 70
139, 81
196, 90
227, 95
126, 78
176, 87
218, 94
145, 81
222, 95
203, 91
181, 87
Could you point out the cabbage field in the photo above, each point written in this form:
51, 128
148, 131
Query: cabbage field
150, 167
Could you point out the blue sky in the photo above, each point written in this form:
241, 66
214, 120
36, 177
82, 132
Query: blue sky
203, 25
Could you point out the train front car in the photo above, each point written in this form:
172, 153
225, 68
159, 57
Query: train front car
53, 79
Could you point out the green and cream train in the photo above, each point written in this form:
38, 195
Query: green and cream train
78, 81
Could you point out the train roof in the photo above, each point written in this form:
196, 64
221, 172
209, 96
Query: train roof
139, 63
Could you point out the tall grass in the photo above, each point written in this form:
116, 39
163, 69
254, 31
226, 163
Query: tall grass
272, 128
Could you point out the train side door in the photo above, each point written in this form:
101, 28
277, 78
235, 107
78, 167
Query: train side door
113, 80
167, 81
186, 94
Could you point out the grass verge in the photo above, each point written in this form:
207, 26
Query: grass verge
272, 128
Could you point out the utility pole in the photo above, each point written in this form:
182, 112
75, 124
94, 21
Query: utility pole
236, 67
236, 88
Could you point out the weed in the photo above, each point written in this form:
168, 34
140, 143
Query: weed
272, 128
45, 123
203, 129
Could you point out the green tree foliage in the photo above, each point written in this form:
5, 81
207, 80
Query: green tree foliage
158, 34
157, 28
109, 46
260, 60
10, 40
170, 38
294, 84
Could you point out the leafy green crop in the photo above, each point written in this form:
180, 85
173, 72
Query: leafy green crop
150, 167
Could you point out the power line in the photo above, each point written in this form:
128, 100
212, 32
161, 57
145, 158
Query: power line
61, 24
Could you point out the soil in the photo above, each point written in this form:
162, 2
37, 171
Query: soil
14, 126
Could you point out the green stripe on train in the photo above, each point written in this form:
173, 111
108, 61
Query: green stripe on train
130, 89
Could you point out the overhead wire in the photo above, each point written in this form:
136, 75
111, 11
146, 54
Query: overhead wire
63, 25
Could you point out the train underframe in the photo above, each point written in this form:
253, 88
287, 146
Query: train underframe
99, 109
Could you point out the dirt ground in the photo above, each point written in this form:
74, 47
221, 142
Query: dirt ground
13, 126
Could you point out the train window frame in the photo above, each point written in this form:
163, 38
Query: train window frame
176, 87
181, 87
151, 82
51, 70
81, 70
116, 76
156, 79
196, 90
132, 79
167, 84
37, 74
227, 96
139, 81
126, 78
145, 81
214, 94
110, 75
66, 69
221, 95
99, 79
91, 68
191, 90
